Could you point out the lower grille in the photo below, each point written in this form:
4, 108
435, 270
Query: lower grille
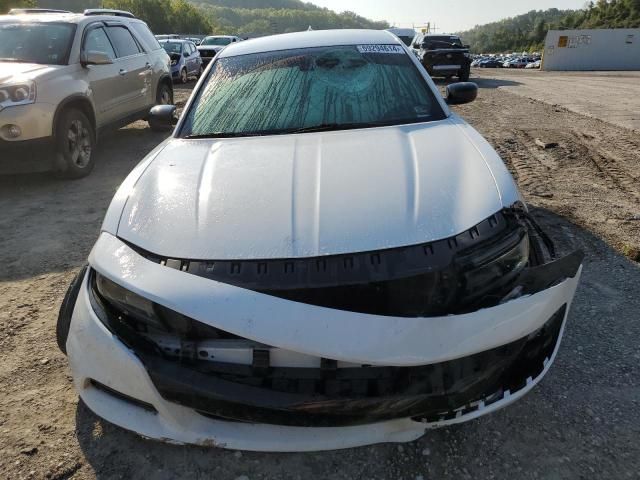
328, 396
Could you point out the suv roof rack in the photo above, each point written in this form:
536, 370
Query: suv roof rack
21, 11
106, 11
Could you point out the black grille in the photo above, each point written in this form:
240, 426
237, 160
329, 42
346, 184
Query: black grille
351, 396
414, 281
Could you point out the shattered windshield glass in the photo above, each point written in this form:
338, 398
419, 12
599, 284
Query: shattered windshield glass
327, 88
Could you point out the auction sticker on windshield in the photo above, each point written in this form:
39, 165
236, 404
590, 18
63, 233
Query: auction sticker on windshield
380, 49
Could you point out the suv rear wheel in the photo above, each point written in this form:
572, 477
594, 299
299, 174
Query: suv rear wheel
164, 96
75, 141
184, 78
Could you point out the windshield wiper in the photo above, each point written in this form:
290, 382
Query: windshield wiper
324, 127
226, 135
328, 127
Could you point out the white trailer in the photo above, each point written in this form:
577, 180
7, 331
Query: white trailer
599, 49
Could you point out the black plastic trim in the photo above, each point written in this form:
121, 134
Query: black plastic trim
429, 279
352, 396
121, 396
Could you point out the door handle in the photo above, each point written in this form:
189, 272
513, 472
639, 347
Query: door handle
122, 72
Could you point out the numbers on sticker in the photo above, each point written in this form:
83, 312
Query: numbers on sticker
380, 49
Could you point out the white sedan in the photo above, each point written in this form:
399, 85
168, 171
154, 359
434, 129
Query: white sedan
322, 255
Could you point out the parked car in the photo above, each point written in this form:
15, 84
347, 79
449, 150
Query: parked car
185, 59
535, 64
65, 77
490, 63
210, 46
519, 62
196, 41
405, 34
322, 255
443, 55
172, 36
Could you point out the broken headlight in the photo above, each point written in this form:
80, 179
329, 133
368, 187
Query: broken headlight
144, 316
128, 304
496, 267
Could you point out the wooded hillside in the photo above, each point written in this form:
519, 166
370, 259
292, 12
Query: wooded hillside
527, 31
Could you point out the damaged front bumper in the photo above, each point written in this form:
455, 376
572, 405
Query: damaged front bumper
285, 375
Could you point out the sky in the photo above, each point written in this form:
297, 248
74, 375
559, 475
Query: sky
448, 15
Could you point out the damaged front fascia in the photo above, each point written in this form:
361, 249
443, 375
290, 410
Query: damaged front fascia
432, 279
329, 396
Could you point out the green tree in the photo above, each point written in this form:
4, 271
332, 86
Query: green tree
6, 5
166, 16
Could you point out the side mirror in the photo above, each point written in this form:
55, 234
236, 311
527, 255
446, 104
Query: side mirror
459, 93
96, 58
162, 117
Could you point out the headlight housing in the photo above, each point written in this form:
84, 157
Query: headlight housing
18, 93
117, 307
496, 268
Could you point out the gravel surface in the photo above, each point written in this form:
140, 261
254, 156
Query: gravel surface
582, 421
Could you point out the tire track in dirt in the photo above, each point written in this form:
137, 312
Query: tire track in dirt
529, 171
609, 163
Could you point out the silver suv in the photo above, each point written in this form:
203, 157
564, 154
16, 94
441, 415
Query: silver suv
66, 76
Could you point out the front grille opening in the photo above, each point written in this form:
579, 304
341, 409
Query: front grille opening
475, 269
121, 396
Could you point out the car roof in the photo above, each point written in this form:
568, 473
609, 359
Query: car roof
401, 31
174, 40
440, 35
311, 39
66, 17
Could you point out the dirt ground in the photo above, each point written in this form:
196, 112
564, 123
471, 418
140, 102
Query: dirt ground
582, 421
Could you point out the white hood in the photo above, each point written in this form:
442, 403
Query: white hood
310, 194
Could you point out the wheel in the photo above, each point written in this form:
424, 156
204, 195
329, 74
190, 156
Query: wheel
200, 71
164, 96
464, 74
184, 78
66, 310
75, 141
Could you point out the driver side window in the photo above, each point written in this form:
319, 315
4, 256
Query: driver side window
97, 41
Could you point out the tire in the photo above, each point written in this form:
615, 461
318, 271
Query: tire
464, 74
66, 310
75, 141
200, 71
184, 77
164, 96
